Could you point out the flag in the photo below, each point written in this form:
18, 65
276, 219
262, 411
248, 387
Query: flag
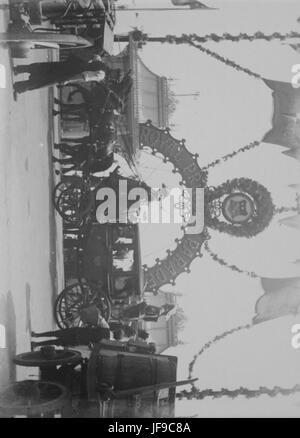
193, 4
292, 221
281, 298
286, 115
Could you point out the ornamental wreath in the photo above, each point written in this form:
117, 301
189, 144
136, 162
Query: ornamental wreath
264, 207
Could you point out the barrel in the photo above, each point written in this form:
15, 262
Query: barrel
124, 370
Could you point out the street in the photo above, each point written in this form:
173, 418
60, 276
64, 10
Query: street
31, 271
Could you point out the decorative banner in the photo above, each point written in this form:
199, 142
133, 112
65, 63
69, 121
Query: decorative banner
286, 98
286, 124
285, 132
282, 298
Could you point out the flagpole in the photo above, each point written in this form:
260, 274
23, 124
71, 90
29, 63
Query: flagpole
120, 9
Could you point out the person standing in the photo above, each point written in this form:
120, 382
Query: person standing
73, 336
74, 69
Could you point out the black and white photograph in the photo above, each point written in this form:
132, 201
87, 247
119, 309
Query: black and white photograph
150, 220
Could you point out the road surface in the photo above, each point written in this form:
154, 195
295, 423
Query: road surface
30, 232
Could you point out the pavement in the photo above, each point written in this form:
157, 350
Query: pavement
31, 260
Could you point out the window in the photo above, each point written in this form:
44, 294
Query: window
123, 259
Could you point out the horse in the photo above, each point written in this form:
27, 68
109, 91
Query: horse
98, 99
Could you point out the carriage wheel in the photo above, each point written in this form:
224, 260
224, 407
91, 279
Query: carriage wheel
40, 358
32, 398
73, 200
73, 299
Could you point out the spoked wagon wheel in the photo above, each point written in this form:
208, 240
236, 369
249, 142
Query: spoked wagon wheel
32, 398
46, 357
73, 300
73, 200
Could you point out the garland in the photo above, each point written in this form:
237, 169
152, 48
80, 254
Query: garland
143, 38
248, 147
241, 37
212, 342
262, 198
222, 262
197, 394
226, 61
190, 39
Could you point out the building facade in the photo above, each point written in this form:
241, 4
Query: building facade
164, 331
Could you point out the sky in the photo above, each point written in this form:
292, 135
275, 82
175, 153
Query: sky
232, 110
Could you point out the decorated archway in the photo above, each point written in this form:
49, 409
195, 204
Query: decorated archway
241, 207
185, 163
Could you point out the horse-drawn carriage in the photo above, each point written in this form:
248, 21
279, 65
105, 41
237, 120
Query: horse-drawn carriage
102, 260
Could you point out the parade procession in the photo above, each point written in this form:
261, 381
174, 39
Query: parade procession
125, 247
